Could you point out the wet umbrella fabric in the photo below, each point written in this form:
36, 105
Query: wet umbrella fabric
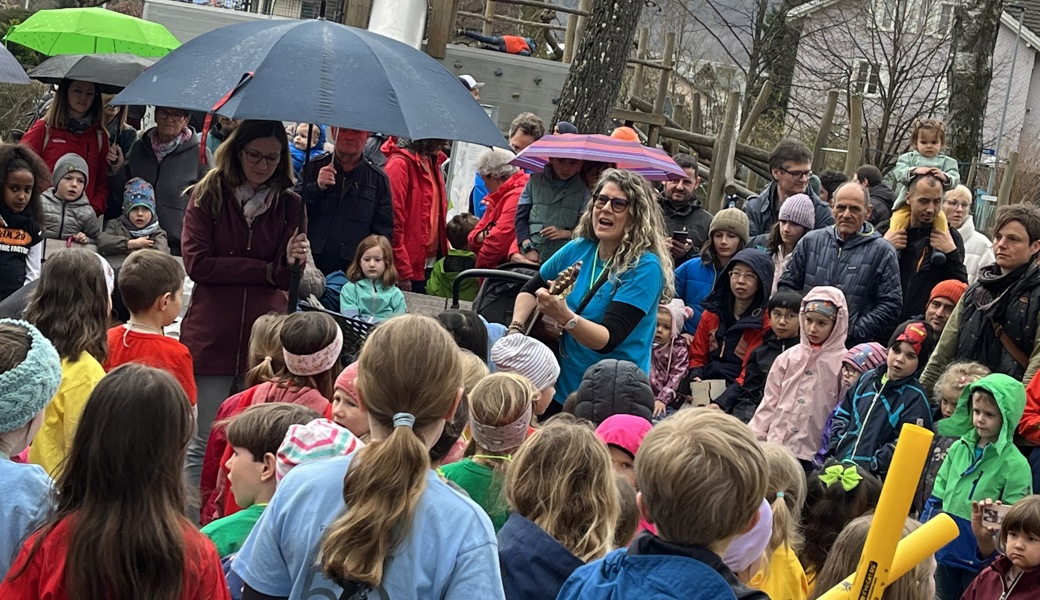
91, 31
10, 70
318, 72
112, 72
652, 163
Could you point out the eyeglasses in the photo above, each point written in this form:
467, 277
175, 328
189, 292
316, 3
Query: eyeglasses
798, 174
743, 275
255, 157
162, 114
954, 205
618, 205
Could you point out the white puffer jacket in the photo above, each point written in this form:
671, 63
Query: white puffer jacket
978, 250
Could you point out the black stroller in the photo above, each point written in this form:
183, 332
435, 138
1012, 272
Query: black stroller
497, 292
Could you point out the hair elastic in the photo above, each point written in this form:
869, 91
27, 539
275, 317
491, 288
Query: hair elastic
403, 419
780, 494
305, 365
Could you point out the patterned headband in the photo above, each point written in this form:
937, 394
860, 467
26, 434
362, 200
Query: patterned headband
305, 365
502, 437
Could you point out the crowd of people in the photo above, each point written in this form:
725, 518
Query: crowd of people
707, 409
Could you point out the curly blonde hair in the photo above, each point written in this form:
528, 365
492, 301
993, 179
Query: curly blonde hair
645, 229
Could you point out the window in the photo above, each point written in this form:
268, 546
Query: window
865, 79
945, 20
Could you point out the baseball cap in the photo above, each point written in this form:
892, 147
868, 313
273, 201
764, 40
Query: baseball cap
470, 83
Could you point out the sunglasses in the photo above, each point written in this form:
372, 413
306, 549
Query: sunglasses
618, 205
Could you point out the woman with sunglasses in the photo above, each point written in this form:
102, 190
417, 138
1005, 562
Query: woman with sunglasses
166, 156
242, 231
625, 272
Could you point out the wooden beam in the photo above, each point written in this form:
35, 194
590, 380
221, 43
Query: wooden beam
639, 62
356, 13
549, 6
1007, 180
638, 117
662, 85
723, 151
489, 16
648, 63
819, 152
853, 157
504, 19
970, 180
441, 26
756, 111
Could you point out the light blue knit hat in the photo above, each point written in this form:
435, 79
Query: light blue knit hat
27, 388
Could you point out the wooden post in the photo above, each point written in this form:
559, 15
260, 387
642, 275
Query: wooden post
662, 86
637, 73
1007, 180
825, 129
752, 180
489, 12
440, 27
584, 5
756, 111
855, 146
972, 172
696, 118
356, 13
722, 154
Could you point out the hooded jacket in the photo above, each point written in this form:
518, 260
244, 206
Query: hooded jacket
865, 268
763, 210
669, 361
690, 217
803, 386
723, 343
1000, 473
498, 223
65, 219
614, 387
534, 564
881, 199
990, 583
756, 370
300, 156
917, 275
414, 187
978, 250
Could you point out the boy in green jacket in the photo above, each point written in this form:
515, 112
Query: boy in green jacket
459, 258
983, 463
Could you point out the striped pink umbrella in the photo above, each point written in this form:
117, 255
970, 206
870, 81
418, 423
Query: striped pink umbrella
652, 163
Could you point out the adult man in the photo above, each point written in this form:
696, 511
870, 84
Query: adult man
917, 273
941, 302
853, 257
526, 129
881, 197
790, 164
348, 199
685, 220
472, 85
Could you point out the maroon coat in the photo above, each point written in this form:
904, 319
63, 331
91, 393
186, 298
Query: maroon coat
989, 584
228, 262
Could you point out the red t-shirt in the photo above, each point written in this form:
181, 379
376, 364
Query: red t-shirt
44, 577
154, 350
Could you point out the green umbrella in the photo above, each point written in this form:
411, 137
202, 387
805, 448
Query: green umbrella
91, 31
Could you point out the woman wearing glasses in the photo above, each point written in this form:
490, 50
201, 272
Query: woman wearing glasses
166, 156
625, 272
978, 250
242, 231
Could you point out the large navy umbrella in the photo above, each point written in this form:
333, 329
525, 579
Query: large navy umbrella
12, 72
318, 72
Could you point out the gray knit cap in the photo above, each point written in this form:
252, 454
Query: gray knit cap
26, 389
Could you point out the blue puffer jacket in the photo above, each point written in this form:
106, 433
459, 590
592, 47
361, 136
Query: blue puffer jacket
762, 210
694, 280
299, 156
865, 268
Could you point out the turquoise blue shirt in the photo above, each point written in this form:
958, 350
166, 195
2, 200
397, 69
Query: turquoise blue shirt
26, 503
449, 550
640, 286
368, 298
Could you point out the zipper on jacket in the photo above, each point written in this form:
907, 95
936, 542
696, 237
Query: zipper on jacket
974, 485
866, 419
249, 240
241, 330
61, 228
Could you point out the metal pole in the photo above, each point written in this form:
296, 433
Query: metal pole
1007, 99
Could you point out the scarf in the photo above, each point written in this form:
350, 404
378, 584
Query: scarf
163, 149
78, 126
21, 220
992, 288
253, 203
145, 231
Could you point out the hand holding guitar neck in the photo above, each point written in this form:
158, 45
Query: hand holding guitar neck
561, 286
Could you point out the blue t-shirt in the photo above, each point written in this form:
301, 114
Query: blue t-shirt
640, 287
450, 550
25, 505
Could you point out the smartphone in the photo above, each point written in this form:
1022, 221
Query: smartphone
994, 515
680, 236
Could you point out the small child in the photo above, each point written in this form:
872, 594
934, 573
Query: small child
69, 216
783, 576
868, 420
152, 286
562, 492
1014, 574
696, 453
858, 360
784, 306
304, 442
802, 385
31, 372
983, 463
371, 290
347, 409
927, 139
531, 359
549, 208
21, 217
451, 446
670, 358
623, 434
137, 228
459, 259
299, 148
500, 413
254, 436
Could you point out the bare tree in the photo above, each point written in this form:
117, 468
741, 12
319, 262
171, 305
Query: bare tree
976, 23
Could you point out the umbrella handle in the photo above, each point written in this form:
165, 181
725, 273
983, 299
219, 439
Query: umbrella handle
295, 273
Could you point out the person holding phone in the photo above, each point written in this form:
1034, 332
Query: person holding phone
686, 222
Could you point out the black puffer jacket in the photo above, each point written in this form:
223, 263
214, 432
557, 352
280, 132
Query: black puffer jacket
917, 274
762, 210
865, 268
614, 387
881, 199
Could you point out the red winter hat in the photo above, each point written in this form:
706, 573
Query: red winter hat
951, 289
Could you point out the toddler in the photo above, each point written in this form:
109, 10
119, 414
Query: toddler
371, 290
784, 306
21, 217
532, 359
459, 259
1014, 574
137, 228
69, 215
858, 360
304, 442
671, 356
299, 148
623, 434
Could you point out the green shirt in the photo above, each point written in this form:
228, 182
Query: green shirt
483, 486
229, 533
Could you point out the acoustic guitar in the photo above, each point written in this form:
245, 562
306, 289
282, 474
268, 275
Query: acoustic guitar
542, 327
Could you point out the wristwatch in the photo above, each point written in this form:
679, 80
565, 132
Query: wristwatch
527, 247
571, 324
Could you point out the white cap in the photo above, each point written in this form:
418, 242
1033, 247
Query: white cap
470, 83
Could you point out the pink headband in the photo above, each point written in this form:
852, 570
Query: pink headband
501, 437
306, 365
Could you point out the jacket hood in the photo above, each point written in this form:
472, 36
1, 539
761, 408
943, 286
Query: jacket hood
865, 235
841, 322
761, 264
391, 148
679, 312
614, 387
883, 193
1010, 395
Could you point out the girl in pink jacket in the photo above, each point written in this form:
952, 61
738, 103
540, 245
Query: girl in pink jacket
803, 386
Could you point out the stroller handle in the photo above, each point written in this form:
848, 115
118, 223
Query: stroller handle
492, 273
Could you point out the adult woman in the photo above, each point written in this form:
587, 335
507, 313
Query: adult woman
241, 233
166, 156
694, 279
73, 124
619, 240
491, 239
795, 219
978, 250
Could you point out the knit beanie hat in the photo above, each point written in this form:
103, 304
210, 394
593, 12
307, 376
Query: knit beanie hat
67, 164
347, 380
138, 192
799, 209
732, 220
624, 431
566, 127
528, 357
748, 547
320, 438
625, 133
919, 335
27, 388
823, 307
678, 312
864, 357
951, 289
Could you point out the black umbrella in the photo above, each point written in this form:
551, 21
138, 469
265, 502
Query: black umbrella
10, 70
112, 72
